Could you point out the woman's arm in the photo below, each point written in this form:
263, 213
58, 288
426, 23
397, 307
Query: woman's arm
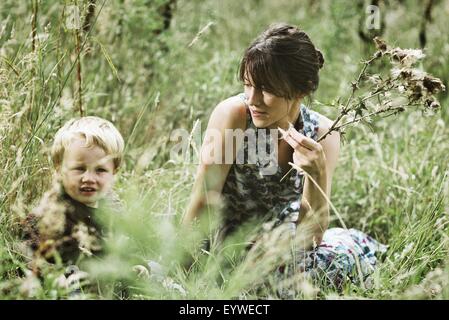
214, 161
316, 208
318, 161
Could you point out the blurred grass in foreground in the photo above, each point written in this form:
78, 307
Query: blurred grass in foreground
392, 179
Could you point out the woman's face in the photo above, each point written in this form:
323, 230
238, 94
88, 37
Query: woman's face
268, 110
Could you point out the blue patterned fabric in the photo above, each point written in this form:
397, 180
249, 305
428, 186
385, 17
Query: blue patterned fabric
343, 254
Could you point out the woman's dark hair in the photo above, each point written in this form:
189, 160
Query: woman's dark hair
282, 61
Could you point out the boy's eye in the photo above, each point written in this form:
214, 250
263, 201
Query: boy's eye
102, 170
79, 168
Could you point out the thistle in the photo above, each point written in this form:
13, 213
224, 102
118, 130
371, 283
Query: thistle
405, 87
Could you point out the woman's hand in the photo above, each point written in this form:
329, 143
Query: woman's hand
308, 154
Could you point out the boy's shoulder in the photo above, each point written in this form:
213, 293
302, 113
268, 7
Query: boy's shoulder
50, 210
61, 224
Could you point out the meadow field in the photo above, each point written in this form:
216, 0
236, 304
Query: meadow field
152, 67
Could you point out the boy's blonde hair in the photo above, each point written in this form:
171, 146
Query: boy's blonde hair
96, 131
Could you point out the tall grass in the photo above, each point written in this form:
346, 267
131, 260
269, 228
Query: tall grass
391, 182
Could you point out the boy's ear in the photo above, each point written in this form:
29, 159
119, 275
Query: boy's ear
57, 175
58, 170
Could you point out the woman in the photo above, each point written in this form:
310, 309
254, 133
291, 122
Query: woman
278, 70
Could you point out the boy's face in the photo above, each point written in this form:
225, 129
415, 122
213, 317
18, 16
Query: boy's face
87, 172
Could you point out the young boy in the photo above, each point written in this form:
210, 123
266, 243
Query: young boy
86, 154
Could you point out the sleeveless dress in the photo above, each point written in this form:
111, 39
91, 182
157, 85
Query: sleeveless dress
253, 192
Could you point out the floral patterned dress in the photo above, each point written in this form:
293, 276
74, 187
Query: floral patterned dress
253, 191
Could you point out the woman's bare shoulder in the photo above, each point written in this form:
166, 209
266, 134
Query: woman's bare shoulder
230, 113
330, 144
324, 124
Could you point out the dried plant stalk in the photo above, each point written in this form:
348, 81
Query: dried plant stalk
34, 25
78, 71
403, 88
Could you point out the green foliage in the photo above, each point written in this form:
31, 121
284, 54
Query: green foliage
392, 178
